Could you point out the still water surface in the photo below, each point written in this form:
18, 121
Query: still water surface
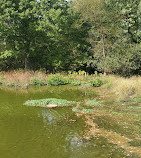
34, 132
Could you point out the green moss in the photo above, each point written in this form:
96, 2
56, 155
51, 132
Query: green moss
44, 102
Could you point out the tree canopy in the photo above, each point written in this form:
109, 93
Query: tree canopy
61, 35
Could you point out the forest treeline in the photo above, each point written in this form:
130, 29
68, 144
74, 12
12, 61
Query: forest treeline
60, 35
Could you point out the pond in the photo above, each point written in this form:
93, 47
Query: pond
35, 132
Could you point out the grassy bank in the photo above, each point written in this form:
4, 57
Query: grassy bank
126, 89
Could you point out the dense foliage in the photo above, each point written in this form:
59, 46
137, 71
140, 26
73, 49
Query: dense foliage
60, 35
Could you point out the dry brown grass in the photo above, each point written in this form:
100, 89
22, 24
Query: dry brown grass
22, 77
125, 88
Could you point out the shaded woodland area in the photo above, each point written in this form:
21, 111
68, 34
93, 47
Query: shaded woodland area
60, 35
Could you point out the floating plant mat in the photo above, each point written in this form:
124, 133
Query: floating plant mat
93, 103
45, 102
82, 110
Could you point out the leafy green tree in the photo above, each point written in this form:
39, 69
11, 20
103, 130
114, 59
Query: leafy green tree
102, 33
67, 44
126, 52
18, 20
114, 35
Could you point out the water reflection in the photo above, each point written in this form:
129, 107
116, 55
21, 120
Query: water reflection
51, 116
35, 132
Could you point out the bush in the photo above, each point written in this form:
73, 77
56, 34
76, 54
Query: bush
96, 82
56, 80
75, 83
38, 82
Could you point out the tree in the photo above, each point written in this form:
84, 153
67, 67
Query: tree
126, 49
102, 33
115, 34
67, 37
18, 20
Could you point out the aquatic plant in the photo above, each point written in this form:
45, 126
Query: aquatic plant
93, 102
82, 110
44, 102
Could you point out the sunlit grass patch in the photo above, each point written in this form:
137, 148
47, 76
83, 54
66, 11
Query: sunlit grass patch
45, 102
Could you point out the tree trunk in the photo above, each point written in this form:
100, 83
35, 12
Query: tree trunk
26, 64
104, 54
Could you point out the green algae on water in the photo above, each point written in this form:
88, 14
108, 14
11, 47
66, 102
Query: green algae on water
44, 102
82, 110
93, 102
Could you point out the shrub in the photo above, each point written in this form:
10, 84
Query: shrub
37, 82
56, 80
75, 83
96, 82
